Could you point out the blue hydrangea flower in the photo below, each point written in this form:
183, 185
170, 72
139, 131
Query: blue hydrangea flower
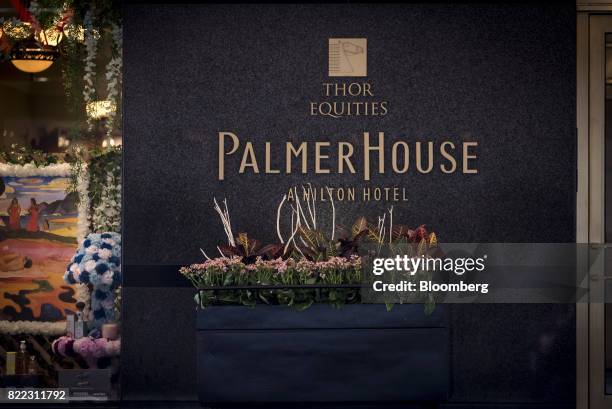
97, 262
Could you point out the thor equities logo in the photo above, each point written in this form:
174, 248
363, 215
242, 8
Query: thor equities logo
348, 57
346, 97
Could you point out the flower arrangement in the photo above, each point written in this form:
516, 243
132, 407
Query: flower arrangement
107, 214
307, 265
104, 174
91, 349
25, 155
98, 262
233, 271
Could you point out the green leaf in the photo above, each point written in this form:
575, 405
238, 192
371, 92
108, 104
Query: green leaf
312, 238
229, 279
430, 305
360, 225
302, 306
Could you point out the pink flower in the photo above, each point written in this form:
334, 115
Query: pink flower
90, 265
99, 348
60, 344
112, 348
105, 254
91, 250
79, 345
76, 272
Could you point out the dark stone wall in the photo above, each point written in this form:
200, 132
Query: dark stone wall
503, 75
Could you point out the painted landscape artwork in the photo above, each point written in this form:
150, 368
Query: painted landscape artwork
38, 224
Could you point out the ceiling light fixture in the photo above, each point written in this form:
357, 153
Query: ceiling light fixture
32, 59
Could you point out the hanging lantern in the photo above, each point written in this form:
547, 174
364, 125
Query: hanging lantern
32, 59
50, 37
100, 109
75, 32
17, 30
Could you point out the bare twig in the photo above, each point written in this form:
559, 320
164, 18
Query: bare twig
390, 224
205, 255
278, 214
293, 232
333, 213
310, 196
299, 209
225, 220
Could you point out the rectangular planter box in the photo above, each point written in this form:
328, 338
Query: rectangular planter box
358, 353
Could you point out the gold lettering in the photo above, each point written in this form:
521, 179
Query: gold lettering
269, 159
394, 159
291, 151
467, 157
351, 194
249, 152
429, 156
222, 153
319, 156
381, 153
377, 194
345, 157
383, 107
313, 108
448, 156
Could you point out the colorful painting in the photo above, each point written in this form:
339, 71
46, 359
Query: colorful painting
38, 229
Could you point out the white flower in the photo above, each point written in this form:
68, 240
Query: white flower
113, 77
33, 327
90, 265
56, 169
91, 250
89, 90
105, 254
107, 215
107, 278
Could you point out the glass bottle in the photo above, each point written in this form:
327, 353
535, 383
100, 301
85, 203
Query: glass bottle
21, 360
32, 366
11, 361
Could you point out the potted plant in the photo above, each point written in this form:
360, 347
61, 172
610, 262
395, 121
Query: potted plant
284, 322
